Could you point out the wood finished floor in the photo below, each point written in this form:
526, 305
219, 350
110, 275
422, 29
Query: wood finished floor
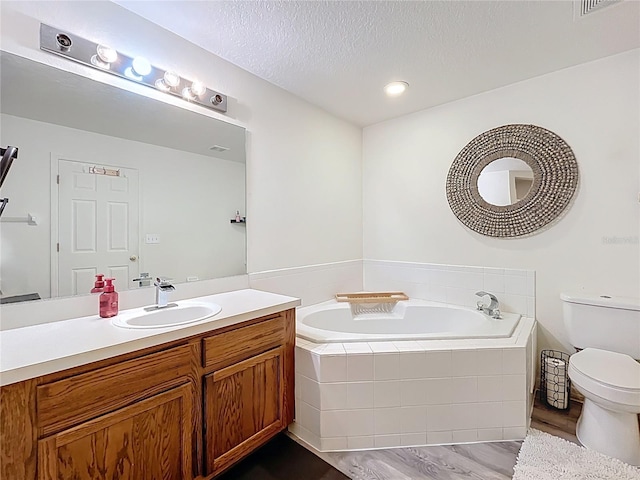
283, 459
479, 461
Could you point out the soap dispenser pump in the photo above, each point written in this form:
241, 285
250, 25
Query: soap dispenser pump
99, 285
109, 300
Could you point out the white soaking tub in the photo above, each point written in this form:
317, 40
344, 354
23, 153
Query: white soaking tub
413, 319
426, 373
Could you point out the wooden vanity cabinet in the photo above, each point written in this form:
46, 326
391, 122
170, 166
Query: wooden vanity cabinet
184, 410
126, 421
247, 389
150, 439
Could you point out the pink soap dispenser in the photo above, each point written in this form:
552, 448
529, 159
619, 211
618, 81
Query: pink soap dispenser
109, 300
99, 285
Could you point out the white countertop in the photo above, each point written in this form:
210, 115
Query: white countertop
51, 347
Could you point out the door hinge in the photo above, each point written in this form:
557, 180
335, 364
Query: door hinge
57, 247
58, 179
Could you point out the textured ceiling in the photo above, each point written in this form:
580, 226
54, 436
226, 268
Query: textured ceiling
339, 54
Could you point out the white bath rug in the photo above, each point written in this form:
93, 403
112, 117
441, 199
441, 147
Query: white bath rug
546, 457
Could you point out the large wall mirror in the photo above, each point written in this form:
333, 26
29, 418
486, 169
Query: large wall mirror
108, 181
512, 180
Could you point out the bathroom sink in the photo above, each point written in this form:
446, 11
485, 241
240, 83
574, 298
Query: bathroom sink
179, 313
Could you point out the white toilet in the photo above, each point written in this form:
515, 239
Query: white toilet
605, 372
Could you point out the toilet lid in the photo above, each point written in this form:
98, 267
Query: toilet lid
610, 368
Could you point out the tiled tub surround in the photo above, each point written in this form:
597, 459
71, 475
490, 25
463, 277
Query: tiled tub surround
387, 394
454, 284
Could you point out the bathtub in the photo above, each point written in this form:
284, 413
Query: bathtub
426, 373
414, 319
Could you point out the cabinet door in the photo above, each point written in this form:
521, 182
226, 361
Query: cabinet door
243, 408
150, 439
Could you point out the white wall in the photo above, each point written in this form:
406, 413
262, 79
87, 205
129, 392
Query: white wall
304, 165
594, 107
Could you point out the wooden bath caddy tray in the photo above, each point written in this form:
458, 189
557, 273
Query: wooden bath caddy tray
374, 297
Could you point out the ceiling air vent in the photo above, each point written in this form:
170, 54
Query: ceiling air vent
584, 7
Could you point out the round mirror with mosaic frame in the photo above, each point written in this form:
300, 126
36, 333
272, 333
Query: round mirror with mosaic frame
554, 180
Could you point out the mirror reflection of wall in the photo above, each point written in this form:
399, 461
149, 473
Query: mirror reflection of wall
166, 212
505, 181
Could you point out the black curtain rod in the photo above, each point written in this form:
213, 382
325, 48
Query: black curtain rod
8, 155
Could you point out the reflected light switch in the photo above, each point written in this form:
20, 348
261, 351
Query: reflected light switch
152, 238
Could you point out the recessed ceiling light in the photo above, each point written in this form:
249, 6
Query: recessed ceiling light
394, 89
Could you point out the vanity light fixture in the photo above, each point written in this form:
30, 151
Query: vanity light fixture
137, 68
394, 89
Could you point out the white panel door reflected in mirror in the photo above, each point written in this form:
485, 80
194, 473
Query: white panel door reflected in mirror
505, 181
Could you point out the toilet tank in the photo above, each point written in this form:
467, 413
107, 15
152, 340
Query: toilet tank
602, 321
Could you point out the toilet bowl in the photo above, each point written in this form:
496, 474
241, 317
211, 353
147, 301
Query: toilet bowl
607, 329
610, 383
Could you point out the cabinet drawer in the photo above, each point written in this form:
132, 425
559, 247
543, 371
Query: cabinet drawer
76, 399
236, 345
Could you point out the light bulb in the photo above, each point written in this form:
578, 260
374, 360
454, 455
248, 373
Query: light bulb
130, 73
188, 94
161, 85
394, 89
198, 88
171, 79
106, 54
95, 60
141, 66
168, 81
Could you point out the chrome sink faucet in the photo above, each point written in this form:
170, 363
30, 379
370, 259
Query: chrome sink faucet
163, 287
491, 309
144, 280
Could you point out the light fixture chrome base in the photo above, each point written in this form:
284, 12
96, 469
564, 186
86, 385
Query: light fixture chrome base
83, 51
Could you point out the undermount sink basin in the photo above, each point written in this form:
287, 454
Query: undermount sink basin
178, 314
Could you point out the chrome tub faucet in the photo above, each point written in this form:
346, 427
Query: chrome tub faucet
491, 309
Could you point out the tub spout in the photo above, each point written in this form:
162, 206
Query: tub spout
491, 309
